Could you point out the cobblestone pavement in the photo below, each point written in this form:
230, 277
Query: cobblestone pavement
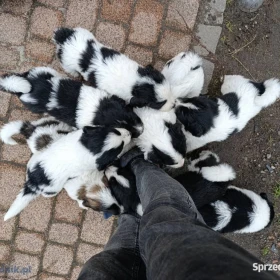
54, 236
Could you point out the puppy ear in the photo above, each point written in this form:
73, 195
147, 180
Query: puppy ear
138, 102
93, 204
157, 105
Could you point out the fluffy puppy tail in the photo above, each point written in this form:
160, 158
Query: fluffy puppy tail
16, 127
22, 200
15, 84
268, 92
218, 173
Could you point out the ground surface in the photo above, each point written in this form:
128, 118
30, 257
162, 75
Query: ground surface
54, 236
255, 150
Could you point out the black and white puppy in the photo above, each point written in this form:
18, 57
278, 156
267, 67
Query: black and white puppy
162, 141
70, 156
208, 120
206, 181
39, 134
239, 210
43, 90
185, 75
80, 53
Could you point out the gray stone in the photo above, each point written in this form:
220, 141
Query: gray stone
209, 36
218, 5
213, 13
201, 51
208, 68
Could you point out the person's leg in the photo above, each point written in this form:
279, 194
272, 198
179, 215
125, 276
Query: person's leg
173, 239
121, 258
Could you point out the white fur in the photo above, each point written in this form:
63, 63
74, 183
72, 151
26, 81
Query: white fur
156, 133
10, 129
224, 214
27, 98
111, 171
15, 84
184, 81
219, 173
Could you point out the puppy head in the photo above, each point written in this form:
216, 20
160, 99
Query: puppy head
270, 204
105, 142
152, 90
185, 74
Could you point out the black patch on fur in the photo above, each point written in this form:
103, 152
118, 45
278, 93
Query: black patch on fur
209, 161
113, 209
113, 111
43, 141
87, 55
62, 132
150, 72
178, 139
36, 178
62, 34
92, 79
108, 53
209, 215
195, 68
183, 56
259, 86
27, 129
50, 193
67, 98
108, 157
48, 123
201, 190
244, 206
144, 95
159, 157
198, 121
232, 101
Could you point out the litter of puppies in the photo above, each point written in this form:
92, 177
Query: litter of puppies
162, 113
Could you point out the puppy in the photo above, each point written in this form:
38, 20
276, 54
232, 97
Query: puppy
162, 140
43, 90
207, 120
185, 75
76, 153
39, 134
239, 211
206, 181
80, 53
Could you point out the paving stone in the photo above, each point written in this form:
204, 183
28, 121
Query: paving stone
187, 9
119, 10
67, 209
44, 21
46, 276
29, 242
86, 251
209, 36
141, 55
213, 12
39, 50
172, 43
23, 115
208, 68
7, 227
5, 102
75, 273
9, 58
146, 22
112, 35
39, 222
96, 229
159, 64
11, 181
53, 3
31, 263
15, 102
4, 253
63, 233
12, 29
86, 15
57, 259
17, 7
17, 153
29, 64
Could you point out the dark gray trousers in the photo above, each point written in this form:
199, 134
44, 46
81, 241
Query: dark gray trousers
170, 241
